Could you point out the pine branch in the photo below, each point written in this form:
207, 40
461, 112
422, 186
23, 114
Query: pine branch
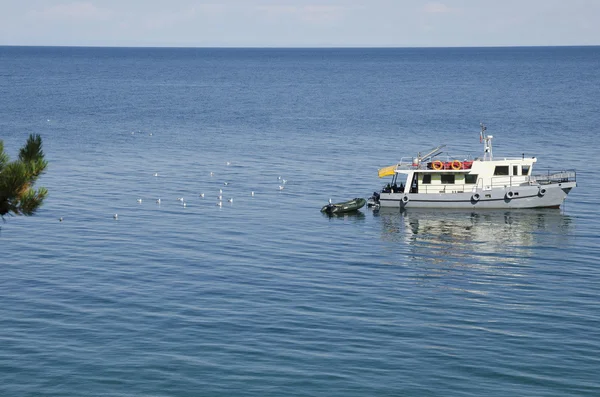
14, 180
32, 151
4, 159
17, 197
31, 200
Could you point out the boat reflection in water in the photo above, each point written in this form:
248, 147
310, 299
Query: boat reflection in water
467, 238
345, 216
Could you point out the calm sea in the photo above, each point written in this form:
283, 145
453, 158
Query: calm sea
265, 296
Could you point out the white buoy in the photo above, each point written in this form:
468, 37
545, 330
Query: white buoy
60, 219
116, 216
220, 191
228, 163
280, 187
180, 199
201, 195
284, 181
225, 183
211, 173
156, 174
329, 201
220, 197
230, 200
139, 201
158, 201
184, 205
220, 203
252, 194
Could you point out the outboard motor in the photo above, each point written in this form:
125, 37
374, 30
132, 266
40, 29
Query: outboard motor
373, 200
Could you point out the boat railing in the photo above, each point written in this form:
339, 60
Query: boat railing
505, 181
450, 158
411, 163
455, 188
496, 182
550, 177
496, 158
538, 179
509, 181
502, 181
408, 163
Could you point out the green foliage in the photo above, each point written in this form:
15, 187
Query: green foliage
3, 157
17, 195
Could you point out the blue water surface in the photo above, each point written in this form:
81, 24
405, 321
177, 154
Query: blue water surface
265, 296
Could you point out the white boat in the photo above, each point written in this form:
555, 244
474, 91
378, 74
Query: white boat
437, 180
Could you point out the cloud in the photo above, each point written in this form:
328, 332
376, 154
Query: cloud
308, 13
210, 9
71, 11
170, 18
273, 10
436, 8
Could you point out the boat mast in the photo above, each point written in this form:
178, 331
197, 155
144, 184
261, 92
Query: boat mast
487, 143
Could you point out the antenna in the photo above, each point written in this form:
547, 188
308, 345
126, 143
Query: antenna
487, 143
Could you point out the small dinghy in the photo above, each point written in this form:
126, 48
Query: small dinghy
347, 206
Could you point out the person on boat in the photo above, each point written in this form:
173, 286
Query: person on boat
415, 185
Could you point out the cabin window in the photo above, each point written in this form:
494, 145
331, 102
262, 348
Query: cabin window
515, 170
471, 178
426, 179
525, 170
501, 170
448, 178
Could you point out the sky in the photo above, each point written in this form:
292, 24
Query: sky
299, 23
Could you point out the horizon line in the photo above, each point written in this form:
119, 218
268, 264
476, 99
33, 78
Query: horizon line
298, 47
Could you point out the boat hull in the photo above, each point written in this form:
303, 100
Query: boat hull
345, 207
515, 197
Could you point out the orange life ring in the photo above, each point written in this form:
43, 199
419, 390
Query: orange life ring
437, 165
456, 165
